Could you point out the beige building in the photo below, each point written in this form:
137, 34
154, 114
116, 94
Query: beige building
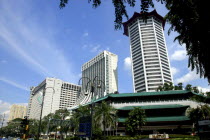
57, 95
17, 111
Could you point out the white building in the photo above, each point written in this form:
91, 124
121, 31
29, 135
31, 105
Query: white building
104, 66
17, 111
58, 95
150, 63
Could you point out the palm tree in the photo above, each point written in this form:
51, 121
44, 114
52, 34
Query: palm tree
180, 86
77, 115
106, 114
61, 114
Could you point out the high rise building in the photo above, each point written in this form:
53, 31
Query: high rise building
17, 111
150, 63
58, 95
104, 66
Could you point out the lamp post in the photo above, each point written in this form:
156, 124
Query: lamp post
62, 118
48, 126
40, 119
92, 84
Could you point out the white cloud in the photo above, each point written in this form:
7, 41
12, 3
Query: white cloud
85, 34
13, 84
191, 76
33, 44
174, 71
127, 63
179, 55
201, 89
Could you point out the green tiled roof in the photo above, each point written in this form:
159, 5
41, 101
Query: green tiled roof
161, 119
160, 93
153, 107
171, 92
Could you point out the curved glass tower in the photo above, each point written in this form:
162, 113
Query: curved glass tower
150, 63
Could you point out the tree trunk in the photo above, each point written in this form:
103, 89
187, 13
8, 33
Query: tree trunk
104, 128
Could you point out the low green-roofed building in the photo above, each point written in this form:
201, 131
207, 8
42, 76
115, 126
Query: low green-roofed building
165, 110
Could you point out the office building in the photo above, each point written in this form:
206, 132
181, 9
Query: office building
150, 63
104, 66
57, 95
17, 111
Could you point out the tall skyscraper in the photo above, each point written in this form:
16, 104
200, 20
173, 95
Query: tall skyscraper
150, 63
58, 95
17, 111
104, 66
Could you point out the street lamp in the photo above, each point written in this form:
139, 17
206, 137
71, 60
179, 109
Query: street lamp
92, 85
48, 126
40, 119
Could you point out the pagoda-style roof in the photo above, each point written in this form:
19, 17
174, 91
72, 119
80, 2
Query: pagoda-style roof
139, 15
143, 94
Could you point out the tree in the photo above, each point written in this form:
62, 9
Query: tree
62, 114
106, 114
12, 129
81, 112
191, 21
46, 123
195, 89
135, 121
33, 127
202, 112
180, 86
166, 87
188, 87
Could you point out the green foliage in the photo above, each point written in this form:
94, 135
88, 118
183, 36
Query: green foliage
183, 137
13, 128
166, 87
97, 132
188, 87
135, 121
191, 22
198, 98
202, 112
33, 127
104, 115
127, 137
81, 112
72, 138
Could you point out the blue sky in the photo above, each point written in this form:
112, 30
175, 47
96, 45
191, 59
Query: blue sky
38, 40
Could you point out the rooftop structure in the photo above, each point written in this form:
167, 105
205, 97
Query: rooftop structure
165, 110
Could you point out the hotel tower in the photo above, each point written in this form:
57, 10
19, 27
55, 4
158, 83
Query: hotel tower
150, 63
104, 66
